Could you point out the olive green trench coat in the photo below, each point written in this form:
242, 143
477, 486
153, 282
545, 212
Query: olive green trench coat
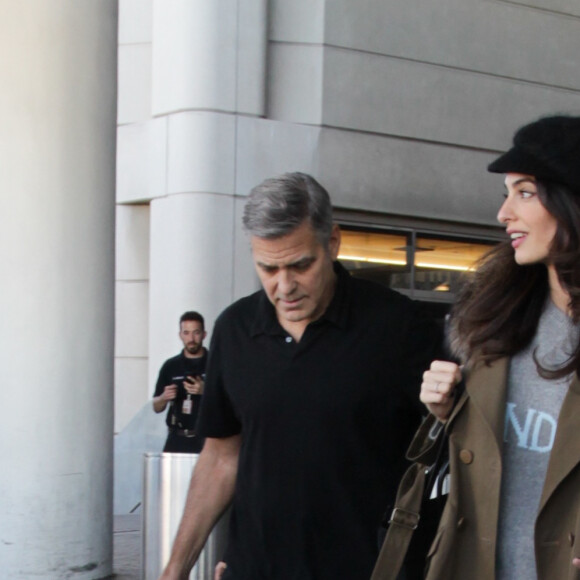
465, 544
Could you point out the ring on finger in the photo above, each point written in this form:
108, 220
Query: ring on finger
437, 387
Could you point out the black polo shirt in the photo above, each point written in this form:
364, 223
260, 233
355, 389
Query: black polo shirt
325, 424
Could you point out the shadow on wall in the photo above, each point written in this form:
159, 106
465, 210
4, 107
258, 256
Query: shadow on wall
145, 433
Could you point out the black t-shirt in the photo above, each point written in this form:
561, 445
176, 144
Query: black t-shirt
325, 424
173, 371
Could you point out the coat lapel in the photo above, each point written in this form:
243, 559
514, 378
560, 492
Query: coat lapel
486, 387
565, 454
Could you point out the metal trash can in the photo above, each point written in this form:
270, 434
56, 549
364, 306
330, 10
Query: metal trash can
165, 486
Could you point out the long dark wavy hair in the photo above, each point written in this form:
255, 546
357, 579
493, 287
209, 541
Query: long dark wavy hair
497, 311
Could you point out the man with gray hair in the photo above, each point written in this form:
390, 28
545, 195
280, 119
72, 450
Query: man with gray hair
311, 400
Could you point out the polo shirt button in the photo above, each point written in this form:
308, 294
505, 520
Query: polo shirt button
466, 456
288, 339
571, 538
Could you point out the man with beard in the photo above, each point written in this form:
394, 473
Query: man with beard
311, 402
180, 385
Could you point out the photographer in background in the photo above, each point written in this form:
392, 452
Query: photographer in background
180, 385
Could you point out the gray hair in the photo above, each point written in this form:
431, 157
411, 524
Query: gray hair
279, 205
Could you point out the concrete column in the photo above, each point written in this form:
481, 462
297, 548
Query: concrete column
208, 68
191, 269
57, 154
209, 54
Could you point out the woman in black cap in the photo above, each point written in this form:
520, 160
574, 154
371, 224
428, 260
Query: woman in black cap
513, 510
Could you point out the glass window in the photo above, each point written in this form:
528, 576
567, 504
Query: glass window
379, 256
441, 262
425, 266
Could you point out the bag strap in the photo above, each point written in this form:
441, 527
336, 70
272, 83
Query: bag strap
402, 524
413, 489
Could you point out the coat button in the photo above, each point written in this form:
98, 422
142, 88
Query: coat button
466, 456
460, 523
571, 538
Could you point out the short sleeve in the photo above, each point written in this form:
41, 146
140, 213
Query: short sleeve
162, 380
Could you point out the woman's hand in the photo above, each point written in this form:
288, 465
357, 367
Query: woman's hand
438, 387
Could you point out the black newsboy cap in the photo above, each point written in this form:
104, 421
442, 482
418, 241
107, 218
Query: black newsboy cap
547, 149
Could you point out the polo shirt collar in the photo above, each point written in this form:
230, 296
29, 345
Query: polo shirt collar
338, 309
337, 312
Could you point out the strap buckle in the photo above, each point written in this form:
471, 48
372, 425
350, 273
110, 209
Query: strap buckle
405, 518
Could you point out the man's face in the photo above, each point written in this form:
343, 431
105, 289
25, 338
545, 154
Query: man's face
192, 335
297, 274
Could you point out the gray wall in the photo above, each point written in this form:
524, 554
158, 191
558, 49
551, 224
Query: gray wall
414, 98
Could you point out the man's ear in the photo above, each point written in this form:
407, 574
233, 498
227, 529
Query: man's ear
334, 242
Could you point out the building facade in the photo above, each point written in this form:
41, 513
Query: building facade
395, 107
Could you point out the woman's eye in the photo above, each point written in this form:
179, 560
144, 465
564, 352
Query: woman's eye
527, 194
